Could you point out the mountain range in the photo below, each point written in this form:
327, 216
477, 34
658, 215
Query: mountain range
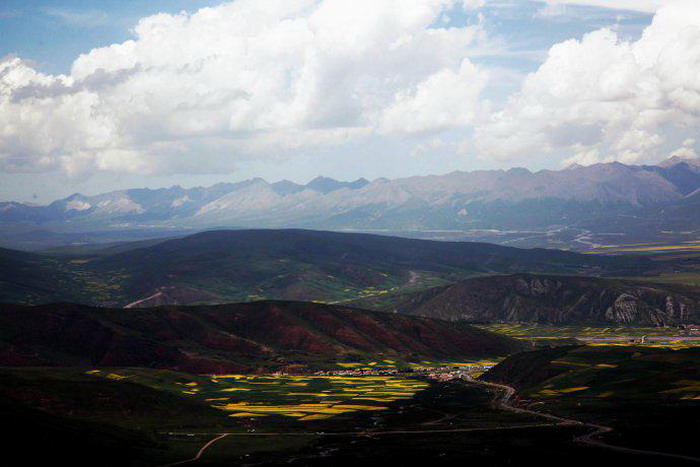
610, 197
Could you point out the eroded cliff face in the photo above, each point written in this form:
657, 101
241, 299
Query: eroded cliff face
527, 298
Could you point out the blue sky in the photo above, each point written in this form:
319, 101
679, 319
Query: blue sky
53, 33
360, 127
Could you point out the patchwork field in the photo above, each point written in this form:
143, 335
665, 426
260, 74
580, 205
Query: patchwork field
606, 371
596, 336
650, 397
302, 398
692, 246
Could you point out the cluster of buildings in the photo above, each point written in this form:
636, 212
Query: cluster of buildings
359, 372
439, 373
689, 329
450, 373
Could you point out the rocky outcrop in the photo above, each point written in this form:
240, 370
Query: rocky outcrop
527, 298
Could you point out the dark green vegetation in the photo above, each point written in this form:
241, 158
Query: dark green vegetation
554, 300
434, 427
231, 266
649, 396
68, 416
26, 277
231, 338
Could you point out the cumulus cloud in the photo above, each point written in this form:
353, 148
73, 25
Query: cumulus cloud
687, 150
448, 99
605, 95
225, 82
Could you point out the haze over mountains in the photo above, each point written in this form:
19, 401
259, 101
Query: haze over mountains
609, 197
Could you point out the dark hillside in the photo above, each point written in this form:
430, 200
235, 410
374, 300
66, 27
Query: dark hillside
555, 300
229, 338
315, 265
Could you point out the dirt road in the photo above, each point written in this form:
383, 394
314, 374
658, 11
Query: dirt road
502, 400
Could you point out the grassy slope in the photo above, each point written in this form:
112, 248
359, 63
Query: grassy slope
66, 414
648, 395
296, 264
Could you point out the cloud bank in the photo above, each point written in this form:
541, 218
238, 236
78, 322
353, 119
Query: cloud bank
227, 82
201, 92
646, 6
605, 98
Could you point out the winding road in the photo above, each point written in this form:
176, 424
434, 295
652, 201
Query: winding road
201, 450
590, 439
502, 400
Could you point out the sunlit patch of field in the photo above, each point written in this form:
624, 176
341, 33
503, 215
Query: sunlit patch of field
692, 246
671, 344
621, 372
486, 362
556, 392
602, 335
687, 389
322, 396
297, 397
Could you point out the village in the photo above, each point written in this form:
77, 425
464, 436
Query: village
438, 373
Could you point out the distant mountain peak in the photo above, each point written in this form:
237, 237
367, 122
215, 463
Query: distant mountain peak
678, 160
519, 171
327, 185
286, 187
485, 199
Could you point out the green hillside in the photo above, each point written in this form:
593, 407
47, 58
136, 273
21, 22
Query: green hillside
236, 266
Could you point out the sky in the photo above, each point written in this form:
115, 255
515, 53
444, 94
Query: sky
99, 95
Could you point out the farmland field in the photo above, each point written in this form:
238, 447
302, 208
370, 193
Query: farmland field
535, 331
538, 331
302, 398
651, 396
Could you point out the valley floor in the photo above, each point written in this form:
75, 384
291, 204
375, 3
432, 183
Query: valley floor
460, 420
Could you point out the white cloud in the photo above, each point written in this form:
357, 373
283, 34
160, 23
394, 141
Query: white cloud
473, 4
228, 82
646, 6
444, 101
606, 94
584, 157
687, 151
